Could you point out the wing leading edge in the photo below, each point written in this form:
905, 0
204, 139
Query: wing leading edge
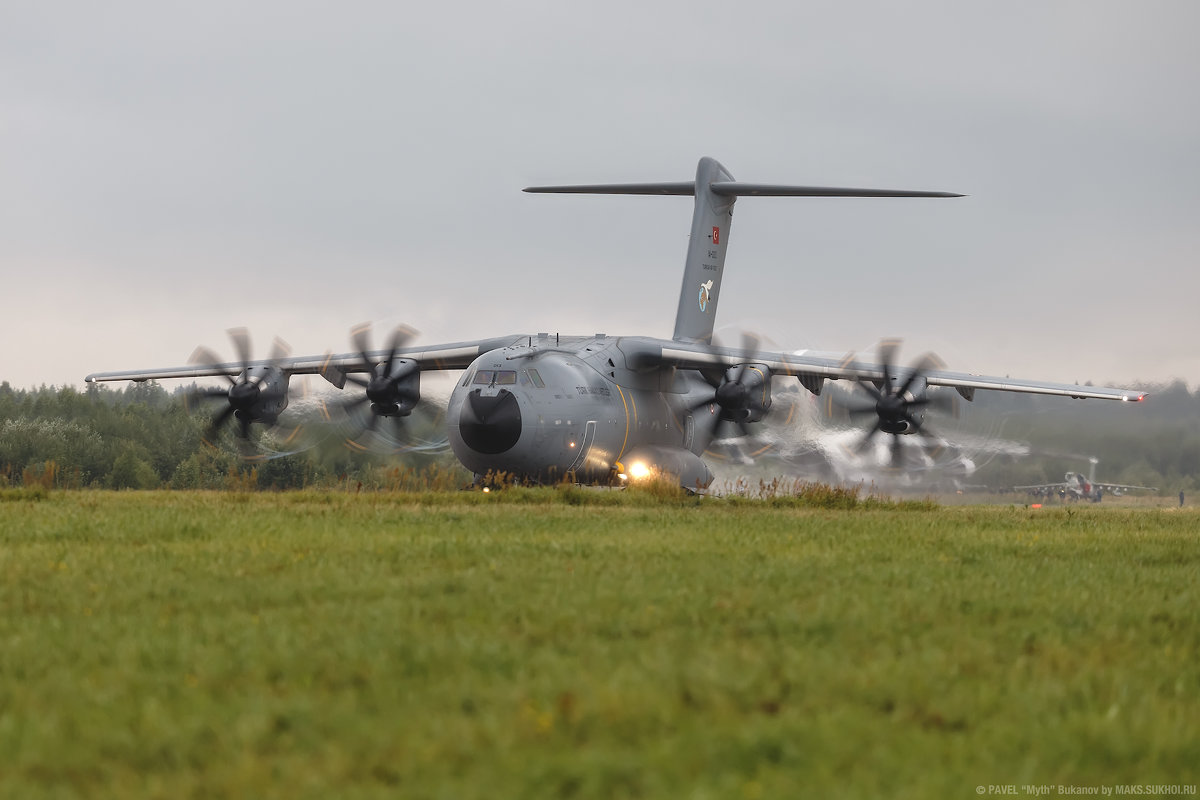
455, 355
812, 367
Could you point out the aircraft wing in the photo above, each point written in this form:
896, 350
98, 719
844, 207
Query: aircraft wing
1108, 487
812, 368
455, 355
1046, 486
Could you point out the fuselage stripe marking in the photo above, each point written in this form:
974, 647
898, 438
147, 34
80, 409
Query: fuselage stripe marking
626, 407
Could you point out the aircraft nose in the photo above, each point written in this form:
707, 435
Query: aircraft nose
492, 424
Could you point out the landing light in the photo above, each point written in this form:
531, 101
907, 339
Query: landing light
639, 470
636, 471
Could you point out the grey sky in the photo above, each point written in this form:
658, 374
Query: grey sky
167, 172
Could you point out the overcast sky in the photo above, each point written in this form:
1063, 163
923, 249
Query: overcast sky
168, 171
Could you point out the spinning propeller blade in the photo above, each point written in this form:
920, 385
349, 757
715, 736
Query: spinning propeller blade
245, 391
897, 405
730, 398
392, 387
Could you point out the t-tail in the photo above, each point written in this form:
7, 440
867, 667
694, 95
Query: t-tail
715, 191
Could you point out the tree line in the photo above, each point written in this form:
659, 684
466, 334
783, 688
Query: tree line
142, 436
1154, 443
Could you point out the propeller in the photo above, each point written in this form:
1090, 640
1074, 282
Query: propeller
732, 399
256, 394
386, 391
391, 390
898, 406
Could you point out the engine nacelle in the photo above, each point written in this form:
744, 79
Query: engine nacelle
899, 411
260, 395
745, 392
395, 392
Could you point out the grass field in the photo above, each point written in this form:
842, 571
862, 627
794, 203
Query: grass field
589, 644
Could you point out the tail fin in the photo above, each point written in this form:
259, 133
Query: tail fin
705, 261
715, 191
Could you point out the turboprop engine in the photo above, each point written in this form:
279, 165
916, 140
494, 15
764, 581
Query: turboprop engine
257, 394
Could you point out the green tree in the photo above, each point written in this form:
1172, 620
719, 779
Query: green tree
129, 471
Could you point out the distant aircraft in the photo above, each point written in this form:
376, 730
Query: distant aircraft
541, 407
1076, 487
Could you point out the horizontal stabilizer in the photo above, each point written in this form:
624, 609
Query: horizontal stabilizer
715, 192
687, 188
732, 189
741, 189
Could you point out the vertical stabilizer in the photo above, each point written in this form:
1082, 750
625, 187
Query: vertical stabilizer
705, 261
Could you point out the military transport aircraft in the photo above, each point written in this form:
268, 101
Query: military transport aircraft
1076, 487
599, 408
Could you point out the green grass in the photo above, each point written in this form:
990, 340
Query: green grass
534, 643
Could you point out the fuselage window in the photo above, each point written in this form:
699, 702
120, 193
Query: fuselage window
536, 378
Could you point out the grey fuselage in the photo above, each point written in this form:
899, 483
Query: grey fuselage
555, 407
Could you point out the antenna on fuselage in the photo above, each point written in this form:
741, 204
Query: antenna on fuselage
715, 191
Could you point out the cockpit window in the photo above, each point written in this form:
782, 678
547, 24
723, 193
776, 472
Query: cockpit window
495, 377
536, 378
